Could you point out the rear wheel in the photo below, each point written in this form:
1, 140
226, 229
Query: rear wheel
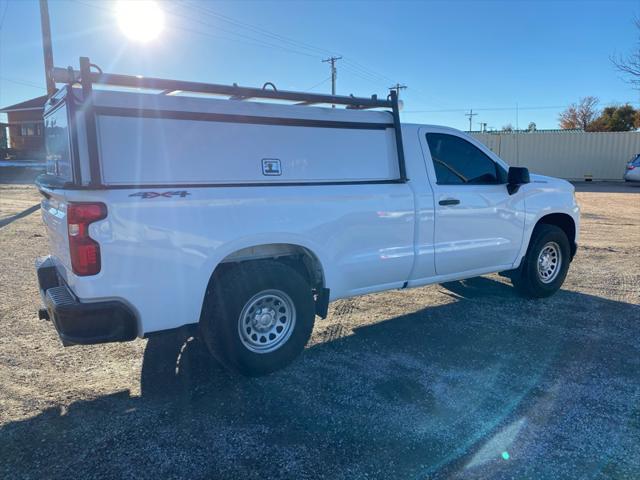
257, 317
546, 263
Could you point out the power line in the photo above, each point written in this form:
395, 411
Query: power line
248, 37
360, 72
202, 13
353, 67
372, 80
290, 45
260, 30
299, 46
244, 38
4, 14
318, 84
23, 82
369, 71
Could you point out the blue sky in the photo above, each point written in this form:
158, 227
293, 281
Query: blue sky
489, 56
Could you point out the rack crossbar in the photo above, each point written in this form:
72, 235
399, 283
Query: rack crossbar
63, 75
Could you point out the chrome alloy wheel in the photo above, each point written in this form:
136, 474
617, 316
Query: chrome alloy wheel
266, 321
549, 261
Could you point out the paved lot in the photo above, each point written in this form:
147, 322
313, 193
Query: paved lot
464, 380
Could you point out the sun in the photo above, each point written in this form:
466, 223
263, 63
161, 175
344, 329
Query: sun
140, 20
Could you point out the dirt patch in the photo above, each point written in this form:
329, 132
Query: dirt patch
463, 380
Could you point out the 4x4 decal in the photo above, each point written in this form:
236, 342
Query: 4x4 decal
178, 193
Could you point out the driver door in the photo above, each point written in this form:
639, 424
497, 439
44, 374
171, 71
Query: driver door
478, 225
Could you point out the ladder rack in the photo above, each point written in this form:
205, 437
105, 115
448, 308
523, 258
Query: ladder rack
167, 87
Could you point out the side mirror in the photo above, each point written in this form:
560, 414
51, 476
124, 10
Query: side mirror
515, 177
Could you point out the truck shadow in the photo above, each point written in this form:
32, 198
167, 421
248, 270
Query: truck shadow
447, 391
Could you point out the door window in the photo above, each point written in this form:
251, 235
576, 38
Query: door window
458, 162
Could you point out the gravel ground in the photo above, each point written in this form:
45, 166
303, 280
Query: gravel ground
463, 380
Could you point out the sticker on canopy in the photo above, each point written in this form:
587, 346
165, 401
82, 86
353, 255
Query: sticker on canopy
271, 167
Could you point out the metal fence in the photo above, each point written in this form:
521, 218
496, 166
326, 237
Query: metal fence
566, 154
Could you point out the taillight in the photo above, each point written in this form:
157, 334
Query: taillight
630, 167
84, 250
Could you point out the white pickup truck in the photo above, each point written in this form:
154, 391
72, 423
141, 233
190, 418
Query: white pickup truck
243, 212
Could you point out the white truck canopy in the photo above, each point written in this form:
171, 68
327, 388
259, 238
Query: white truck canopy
149, 139
184, 136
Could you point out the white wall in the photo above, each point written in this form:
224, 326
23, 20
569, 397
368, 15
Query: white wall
569, 155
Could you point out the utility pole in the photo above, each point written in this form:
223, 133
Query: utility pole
334, 72
397, 87
470, 115
47, 47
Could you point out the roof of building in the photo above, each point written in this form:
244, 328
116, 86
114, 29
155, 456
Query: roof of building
33, 104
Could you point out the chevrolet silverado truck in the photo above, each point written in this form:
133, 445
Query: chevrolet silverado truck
242, 212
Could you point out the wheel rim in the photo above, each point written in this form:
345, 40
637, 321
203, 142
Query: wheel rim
549, 262
266, 321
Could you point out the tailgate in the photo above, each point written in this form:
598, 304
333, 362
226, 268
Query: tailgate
54, 215
60, 167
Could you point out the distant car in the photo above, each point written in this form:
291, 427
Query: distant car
632, 173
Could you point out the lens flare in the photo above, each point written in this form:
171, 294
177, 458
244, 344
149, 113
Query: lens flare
140, 20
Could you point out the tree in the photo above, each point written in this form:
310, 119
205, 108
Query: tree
507, 128
630, 65
615, 119
532, 127
579, 115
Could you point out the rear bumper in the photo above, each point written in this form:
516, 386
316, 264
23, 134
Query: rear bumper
80, 323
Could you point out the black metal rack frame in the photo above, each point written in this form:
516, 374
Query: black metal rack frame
87, 78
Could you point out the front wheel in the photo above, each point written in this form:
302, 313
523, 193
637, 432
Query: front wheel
257, 317
545, 264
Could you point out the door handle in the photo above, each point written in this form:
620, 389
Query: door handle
449, 201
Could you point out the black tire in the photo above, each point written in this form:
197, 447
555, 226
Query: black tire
228, 294
527, 279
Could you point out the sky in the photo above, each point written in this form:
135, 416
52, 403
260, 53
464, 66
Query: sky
510, 61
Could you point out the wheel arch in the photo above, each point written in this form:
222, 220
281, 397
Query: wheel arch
300, 257
305, 259
563, 221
